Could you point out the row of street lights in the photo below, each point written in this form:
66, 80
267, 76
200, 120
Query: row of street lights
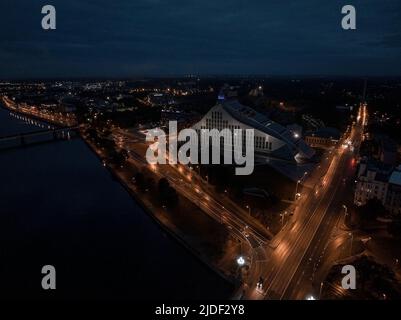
298, 182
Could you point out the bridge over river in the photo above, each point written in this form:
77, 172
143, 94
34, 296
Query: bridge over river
37, 136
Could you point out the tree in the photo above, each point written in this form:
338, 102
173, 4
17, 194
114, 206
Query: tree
106, 131
92, 134
109, 145
150, 182
168, 195
118, 158
124, 154
163, 185
371, 211
394, 228
140, 180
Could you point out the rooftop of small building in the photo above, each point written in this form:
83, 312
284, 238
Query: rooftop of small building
382, 170
395, 178
325, 132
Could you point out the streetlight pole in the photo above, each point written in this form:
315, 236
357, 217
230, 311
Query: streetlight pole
282, 218
249, 209
298, 182
296, 190
352, 240
345, 214
320, 291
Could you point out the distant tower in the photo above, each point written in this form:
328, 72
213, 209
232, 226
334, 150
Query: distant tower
364, 90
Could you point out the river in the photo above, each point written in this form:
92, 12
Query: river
60, 207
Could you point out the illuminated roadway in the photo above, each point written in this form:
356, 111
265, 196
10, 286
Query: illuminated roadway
188, 183
310, 228
191, 186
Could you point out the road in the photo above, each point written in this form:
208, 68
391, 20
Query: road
332, 237
254, 237
189, 184
305, 281
300, 245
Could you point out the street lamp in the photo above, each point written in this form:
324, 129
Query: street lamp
352, 240
320, 291
249, 209
240, 261
298, 182
282, 217
296, 190
345, 213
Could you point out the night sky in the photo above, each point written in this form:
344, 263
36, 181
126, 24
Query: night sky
128, 38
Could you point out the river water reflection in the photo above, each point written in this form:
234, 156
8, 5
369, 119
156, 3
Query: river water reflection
59, 206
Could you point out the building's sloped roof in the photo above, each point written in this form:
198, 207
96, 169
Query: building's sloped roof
382, 170
378, 166
325, 132
395, 178
260, 122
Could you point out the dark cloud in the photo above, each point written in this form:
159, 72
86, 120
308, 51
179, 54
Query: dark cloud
392, 41
136, 37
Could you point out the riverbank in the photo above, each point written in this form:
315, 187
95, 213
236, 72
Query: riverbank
163, 222
59, 120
